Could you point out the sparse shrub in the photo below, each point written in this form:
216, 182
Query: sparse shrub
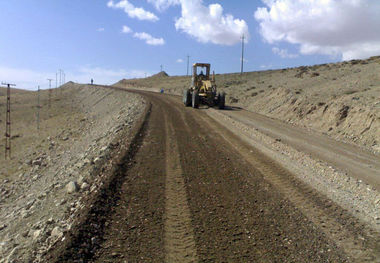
234, 82
303, 69
343, 112
313, 108
299, 75
325, 109
321, 103
349, 92
314, 74
233, 100
254, 94
354, 61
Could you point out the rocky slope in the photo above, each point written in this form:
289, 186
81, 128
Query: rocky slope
52, 169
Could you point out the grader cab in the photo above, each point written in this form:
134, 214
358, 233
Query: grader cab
203, 89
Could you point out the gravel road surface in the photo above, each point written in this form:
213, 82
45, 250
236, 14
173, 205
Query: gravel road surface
190, 190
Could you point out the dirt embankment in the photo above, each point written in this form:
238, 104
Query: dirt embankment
54, 168
341, 99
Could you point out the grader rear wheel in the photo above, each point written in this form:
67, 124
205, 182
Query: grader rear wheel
221, 100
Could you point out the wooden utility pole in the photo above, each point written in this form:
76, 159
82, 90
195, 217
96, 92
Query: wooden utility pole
38, 108
49, 92
242, 54
187, 71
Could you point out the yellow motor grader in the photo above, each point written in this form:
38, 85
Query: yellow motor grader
203, 89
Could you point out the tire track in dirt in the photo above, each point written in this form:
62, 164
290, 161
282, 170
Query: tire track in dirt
179, 237
357, 247
235, 221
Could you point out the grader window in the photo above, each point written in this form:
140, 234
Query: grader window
201, 71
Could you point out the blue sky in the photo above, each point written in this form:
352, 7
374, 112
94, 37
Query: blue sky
85, 38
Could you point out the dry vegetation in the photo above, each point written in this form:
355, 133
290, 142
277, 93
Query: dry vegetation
341, 99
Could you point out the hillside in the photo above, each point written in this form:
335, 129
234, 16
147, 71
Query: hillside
338, 99
54, 168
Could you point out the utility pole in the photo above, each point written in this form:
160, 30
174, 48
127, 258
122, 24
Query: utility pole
64, 78
38, 108
187, 71
60, 77
242, 54
8, 122
49, 92
161, 68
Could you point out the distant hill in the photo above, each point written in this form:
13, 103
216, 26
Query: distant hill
3, 91
161, 74
137, 82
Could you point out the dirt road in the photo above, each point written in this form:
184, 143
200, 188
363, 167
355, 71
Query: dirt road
357, 162
192, 191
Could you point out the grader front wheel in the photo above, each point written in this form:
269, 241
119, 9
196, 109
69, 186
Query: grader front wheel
195, 99
187, 98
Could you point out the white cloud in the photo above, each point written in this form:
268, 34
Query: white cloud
126, 30
162, 5
100, 29
179, 60
29, 79
132, 11
149, 39
347, 28
265, 66
209, 24
283, 53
